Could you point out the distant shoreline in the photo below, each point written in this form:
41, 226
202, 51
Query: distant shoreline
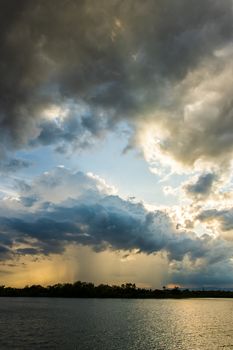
103, 291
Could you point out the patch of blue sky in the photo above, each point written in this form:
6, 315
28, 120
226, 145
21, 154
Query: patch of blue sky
128, 172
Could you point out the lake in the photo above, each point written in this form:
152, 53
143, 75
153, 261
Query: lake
119, 324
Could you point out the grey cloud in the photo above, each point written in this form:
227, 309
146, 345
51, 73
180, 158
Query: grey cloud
224, 217
113, 224
80, 131
27, 251
86, 214
13, 165
121, 59
72, 207
210, 276
215, 271
5, 253
202, 187
61, 184
28, 201
209, 214
22, 186
5, 240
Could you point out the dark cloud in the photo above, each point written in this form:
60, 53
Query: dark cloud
210, 276
5, 240
202, 187
79, 131
13, 165
27, 251
28, 201
5, 253
112, 224
64, 208
224, 217
119, 61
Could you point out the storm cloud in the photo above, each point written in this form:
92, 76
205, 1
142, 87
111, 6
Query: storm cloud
92, 216
71, 71
211, 276
74, 72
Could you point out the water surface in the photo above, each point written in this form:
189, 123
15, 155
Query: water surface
116, 324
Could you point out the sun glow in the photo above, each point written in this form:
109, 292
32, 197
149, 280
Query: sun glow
55, 113
152, 139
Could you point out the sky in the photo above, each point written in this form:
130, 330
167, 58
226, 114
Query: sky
116, 142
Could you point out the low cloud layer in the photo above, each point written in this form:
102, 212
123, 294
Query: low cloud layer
211, 276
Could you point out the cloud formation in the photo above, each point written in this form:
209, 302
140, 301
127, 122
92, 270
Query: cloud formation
202, 187
67, 208
211, 276
71, 71
224, 217
13, 165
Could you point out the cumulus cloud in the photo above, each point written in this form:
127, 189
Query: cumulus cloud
71, 71
112, 224
202, 187
210, 276
223, 217
60, 184
92, 216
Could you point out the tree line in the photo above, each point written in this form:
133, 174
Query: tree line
89, 290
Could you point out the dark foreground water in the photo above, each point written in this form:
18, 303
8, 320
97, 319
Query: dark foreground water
96, 324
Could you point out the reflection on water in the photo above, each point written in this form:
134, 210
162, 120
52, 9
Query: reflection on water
96, 324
